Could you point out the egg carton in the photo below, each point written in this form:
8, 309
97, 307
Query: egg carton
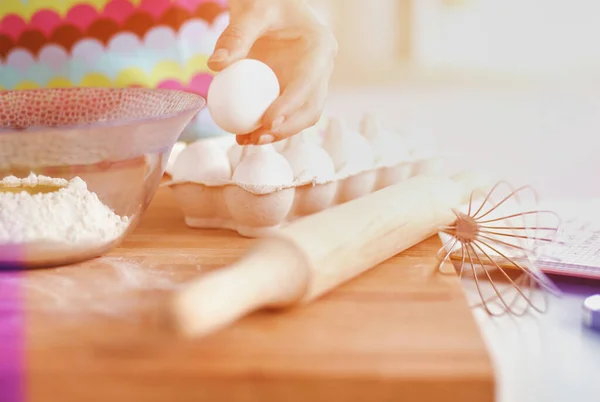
256, 189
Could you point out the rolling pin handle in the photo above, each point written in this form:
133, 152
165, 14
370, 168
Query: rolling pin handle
274, 274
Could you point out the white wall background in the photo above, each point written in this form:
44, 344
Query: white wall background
546, 135
538, 37
548, 138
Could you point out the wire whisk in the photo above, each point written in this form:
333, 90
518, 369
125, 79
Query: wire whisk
499, 237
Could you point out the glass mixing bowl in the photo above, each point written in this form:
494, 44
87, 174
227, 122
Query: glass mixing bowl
116, 140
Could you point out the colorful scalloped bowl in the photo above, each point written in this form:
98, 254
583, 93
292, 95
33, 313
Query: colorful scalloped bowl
117, 140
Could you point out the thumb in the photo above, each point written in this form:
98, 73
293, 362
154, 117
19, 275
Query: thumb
235, 42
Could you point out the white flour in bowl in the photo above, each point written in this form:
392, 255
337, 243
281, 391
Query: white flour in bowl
70, 214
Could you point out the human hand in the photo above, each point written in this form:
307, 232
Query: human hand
285, 35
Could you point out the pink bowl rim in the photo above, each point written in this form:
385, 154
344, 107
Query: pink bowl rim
201, 103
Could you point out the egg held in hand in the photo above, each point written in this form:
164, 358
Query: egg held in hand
240, 94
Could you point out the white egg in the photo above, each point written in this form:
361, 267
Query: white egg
240, 94
350, 151
310, 163
263, 166
234, 153
175, 152
388, 146
308, 160
263, 170
202, 162
280, 145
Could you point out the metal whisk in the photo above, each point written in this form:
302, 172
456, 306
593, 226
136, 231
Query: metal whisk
501, 237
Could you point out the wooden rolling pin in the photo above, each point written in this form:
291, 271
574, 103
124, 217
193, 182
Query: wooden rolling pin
314, 254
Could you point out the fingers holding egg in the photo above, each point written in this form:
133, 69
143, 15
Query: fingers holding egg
304, 116
302, 101
236, 41
309, 86
246, 99
275, 119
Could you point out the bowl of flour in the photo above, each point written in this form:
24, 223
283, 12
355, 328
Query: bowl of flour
79, 166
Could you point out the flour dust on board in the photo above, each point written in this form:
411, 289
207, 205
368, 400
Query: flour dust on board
111, 287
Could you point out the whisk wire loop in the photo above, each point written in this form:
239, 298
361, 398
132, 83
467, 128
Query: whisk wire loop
506, 237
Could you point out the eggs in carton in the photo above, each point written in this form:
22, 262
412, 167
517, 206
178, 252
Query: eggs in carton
255, 189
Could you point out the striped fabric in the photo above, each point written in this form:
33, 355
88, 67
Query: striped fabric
115, 43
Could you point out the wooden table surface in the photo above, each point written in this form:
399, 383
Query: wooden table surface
97, 331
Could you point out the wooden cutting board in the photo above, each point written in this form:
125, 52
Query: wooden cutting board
95, 333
